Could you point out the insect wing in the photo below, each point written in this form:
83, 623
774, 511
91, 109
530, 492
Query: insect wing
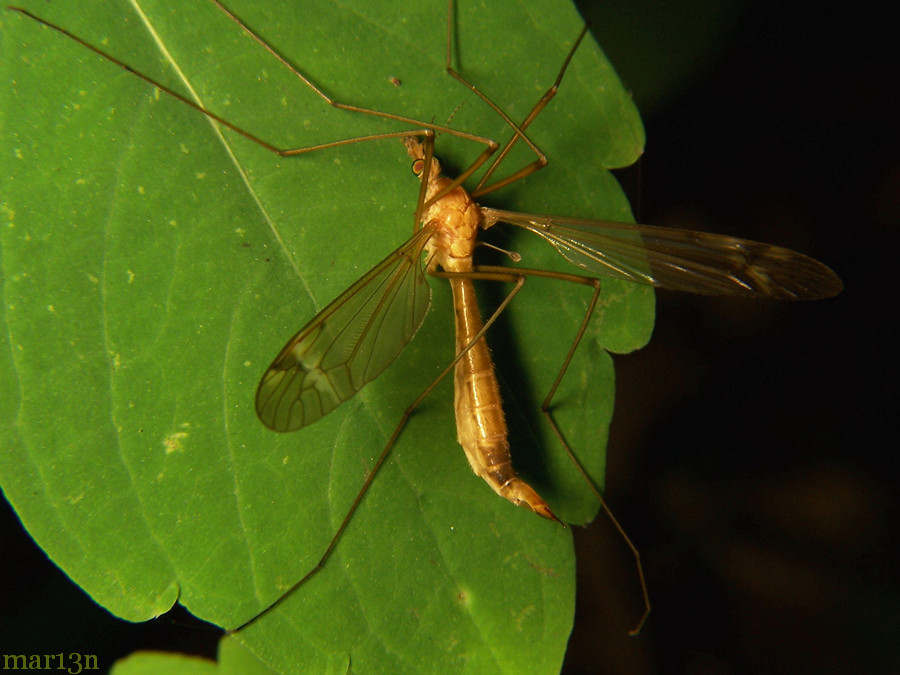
347, 344
680, 260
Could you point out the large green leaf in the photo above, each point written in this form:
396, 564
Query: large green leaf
153, 264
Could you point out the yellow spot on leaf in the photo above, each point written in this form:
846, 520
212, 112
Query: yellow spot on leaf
523, 615
173, 442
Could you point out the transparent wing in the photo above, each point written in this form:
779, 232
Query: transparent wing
349, 343
680, 260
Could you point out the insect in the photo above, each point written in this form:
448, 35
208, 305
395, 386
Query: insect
353, 339
576, 239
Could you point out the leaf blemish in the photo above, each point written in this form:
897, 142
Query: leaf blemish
173, 442
524, 614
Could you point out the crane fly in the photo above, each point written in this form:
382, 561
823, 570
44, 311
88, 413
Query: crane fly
353, 340
337, 353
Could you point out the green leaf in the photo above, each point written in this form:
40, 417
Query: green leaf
233, 657
149, 663
153, 264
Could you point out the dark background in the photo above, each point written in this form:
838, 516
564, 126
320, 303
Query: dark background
750, 459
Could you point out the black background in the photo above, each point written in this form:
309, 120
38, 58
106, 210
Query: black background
750, 458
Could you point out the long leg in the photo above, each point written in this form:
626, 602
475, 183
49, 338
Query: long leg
519, 130
497, 274
418, 126
492, 273
541, 160
546, 410
487, 272
421, 127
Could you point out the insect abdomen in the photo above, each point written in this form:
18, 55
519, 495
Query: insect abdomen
480, 424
